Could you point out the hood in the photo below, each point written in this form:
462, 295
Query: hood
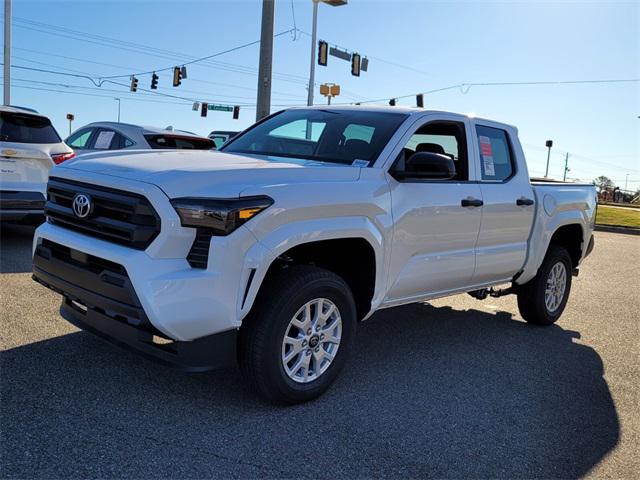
200, 173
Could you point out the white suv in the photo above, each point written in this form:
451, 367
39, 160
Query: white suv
29, 147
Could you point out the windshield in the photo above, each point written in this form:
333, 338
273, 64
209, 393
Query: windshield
338, 136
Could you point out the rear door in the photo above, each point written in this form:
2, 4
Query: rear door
508, 210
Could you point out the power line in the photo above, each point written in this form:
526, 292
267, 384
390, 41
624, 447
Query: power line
465, 87
160, 53
201, 59
147, 50
120, 92
191, 79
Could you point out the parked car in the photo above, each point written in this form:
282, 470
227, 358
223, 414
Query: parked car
272, 250
220, 137
29, 147
101, 136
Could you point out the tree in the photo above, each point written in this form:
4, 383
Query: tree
603, 183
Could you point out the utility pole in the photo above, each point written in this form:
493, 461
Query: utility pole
263, 102
7, 52
118, 100
626, 179
566, 167
548, 144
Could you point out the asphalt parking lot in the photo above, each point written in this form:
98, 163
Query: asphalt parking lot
458, 388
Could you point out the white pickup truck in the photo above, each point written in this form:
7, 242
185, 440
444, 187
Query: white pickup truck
270, 251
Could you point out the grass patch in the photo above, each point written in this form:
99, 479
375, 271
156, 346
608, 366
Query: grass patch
621, 217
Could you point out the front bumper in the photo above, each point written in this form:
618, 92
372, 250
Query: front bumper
99, 297
17, 206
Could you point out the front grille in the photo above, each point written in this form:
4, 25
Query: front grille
118, 216
199, 253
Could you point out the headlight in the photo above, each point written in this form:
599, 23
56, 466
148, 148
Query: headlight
222, 216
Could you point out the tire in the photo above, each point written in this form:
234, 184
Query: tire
262, 348
532, 296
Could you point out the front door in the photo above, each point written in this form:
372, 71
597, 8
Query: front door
436, 223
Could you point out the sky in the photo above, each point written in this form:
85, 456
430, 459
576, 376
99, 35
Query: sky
412, 47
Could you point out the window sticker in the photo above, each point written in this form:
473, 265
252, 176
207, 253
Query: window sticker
360, 163
104, 140
485, 146
487, 164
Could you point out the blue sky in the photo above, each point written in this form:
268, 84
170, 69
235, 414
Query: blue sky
412, 46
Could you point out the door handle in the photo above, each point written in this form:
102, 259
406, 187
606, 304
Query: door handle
524, 202
471, 202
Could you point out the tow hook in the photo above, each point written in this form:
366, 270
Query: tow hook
491, 292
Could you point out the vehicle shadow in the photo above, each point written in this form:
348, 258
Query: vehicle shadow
15, 248
428, 392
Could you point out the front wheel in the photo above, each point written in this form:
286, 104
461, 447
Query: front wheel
542, 300
298, 336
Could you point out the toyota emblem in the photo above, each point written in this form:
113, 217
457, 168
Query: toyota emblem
81, 205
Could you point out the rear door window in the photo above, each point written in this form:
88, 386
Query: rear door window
25, 128
496, 160
106, 140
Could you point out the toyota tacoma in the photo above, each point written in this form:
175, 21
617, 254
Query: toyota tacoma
270, 251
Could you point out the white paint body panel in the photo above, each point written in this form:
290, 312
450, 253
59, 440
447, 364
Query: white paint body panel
24, 167
425, 243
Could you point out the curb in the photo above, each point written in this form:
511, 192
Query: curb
615, 229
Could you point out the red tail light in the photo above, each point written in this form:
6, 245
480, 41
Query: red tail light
58, 158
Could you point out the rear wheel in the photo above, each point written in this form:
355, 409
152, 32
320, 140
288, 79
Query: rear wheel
542, 300
299, 334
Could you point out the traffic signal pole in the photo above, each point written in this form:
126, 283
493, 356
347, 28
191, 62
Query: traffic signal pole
312, 70
263, 102
7, 52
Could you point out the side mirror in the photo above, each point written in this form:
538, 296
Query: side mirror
429, 165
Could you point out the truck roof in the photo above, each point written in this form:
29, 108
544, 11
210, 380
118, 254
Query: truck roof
402, 109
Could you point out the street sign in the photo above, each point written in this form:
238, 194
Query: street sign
336, 52
221, 108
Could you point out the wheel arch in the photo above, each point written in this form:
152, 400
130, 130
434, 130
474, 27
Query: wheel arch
567, 232
353, 249
571, 237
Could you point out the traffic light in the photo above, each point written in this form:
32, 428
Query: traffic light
392, 102
355, 64
364, 64
203, 109
177, 76
236, 112
183, 72
154, 81
420, 100
323, 53
134, 84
